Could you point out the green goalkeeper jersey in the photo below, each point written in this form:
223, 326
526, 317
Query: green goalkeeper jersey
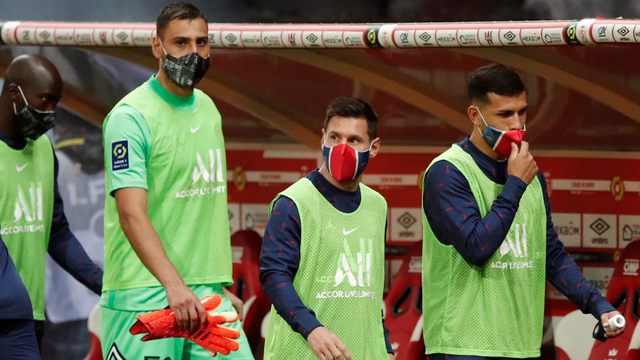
185, 176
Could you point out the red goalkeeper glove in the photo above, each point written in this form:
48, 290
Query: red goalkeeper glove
213, 337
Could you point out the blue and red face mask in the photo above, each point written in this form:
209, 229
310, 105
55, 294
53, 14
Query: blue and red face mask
344, 162
500, 141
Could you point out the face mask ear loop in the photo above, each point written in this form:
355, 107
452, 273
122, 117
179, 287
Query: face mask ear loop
23, 97
162, 46
483, 120
371, 145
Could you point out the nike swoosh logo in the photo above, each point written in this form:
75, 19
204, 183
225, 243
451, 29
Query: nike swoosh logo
345, 232
20, 168
193, 130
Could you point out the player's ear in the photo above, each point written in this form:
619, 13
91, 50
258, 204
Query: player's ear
156, 48
375, 147
474, 115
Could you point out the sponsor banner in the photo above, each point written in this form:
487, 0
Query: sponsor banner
510, 37
44, 36
628, 229
8, 32
234, 217
390, 180
446, 38
532, 37
26, 36
602, 33
624, 33
215, 39
406, 224
568, 227
468, 37
385, 36
372, 37
600, 231
312, 39
489, 37
272, 39
581, 185
630, 267
84, 37
103, 37
286, 177
64, 37
251, 39
632, 186
426, 38
571, 33
255, 217
123, 37
292, 39
584, 31
552, 36
142, 37
231, 38
405, 38
333, 39
354, 39
599, 277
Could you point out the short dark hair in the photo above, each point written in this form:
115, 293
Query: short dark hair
177, 11
493, 78
353, 107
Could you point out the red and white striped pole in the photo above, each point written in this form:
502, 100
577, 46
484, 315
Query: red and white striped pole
346, 36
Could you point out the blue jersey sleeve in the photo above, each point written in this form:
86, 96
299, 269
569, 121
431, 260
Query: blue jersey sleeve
279, 263
65, 248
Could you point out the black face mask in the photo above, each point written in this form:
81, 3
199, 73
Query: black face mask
187, 70
33, 123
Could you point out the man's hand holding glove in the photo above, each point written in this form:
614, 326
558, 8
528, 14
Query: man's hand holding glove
213, 337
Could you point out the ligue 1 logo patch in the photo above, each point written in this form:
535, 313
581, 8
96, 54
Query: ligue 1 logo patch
120, 155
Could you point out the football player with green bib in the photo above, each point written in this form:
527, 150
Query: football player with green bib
32, 217
322, 261
166, 221
489, 244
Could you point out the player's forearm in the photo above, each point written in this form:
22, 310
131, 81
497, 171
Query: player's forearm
280, 290
147, 244
66, 250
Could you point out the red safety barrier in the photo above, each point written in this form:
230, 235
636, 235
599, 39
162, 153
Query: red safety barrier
404, 308
624, 294
245, 246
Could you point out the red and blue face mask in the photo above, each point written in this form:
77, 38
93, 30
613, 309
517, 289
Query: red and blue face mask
500, 141
344, 162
